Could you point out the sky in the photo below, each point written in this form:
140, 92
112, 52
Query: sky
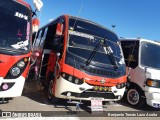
133, 18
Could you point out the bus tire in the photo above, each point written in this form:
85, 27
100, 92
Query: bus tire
50, 94
135, 96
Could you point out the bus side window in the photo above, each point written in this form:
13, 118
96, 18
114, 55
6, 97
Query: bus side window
44, 36
38, 39
50, 33
33, 38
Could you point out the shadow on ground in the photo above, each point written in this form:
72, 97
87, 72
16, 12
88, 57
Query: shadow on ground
37, 93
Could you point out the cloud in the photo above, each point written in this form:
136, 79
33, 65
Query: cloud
51, 19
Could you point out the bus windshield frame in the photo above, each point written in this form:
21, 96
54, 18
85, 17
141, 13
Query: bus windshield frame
84, 37
15, 28
148, 57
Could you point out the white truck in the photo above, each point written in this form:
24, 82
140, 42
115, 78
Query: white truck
142, 58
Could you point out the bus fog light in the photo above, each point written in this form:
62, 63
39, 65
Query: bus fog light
68, 94
119, 97
15, 71
5, 86
115, 91
21, 64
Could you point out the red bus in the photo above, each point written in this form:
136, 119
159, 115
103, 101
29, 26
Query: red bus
79, 60
15, 47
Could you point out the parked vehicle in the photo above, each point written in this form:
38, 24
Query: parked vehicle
142, 59
79, 60
15, 47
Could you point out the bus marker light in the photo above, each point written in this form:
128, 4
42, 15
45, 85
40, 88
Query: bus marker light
84, 80
25, 60
100, 88
105, 88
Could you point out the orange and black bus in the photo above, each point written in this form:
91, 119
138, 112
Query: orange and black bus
79, 60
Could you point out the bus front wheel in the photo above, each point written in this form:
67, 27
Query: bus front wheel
135, 97
50, 94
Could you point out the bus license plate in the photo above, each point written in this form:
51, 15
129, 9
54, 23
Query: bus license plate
96, 104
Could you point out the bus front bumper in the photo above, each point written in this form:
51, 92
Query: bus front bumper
11, 87
67, 90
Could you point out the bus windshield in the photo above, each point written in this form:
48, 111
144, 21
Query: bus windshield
148, 56
15, 27
85, 37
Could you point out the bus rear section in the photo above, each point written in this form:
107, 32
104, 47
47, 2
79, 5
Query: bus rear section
80, 60
142, 59
15, 28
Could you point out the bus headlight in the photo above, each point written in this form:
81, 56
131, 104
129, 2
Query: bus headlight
21, 64
153, 83
122, 85
72, 79
15, 71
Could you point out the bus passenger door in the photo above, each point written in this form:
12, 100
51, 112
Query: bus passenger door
57, 47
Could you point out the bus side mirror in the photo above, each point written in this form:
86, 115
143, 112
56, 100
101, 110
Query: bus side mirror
59, 29
35, 25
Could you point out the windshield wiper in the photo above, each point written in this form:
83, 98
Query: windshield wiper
93, 54
108, 52
111, 56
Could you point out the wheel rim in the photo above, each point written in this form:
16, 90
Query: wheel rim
50, 88
133, 97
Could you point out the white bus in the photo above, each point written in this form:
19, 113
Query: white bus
142, 59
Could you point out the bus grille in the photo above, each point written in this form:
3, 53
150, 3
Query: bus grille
85, 94
108, 73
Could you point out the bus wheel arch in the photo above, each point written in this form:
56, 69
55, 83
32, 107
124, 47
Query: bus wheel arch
135, 95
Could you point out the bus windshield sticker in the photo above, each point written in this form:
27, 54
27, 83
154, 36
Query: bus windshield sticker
21, 45
20, 15
81, 34
121, 62
28, 31
108, 50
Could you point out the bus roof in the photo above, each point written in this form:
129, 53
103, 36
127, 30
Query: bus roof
24, 3
78, 18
